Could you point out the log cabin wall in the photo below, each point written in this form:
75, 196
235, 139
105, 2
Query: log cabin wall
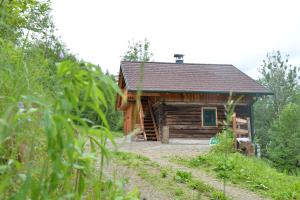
183, 113
185, 121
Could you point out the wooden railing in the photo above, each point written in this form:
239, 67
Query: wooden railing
141, 117
153, 119
240, 132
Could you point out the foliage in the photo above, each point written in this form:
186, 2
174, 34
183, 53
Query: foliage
163, 172
64, 141
49, 147
138, 51
253, 173
182, 176
284, 148
226, 141
110, 89
281, 78
225, 138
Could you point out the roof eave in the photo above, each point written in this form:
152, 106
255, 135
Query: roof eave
204, 92
126, 81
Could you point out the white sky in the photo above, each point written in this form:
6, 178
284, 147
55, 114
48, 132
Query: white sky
233, 32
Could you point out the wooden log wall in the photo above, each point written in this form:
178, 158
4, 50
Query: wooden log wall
206, 99
185, 120
182, 113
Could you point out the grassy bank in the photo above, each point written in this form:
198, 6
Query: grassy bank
253, 173
179, 184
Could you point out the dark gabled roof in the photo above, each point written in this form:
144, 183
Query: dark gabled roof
187, 77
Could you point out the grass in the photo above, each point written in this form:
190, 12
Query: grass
179, 184
117, 134
252, 173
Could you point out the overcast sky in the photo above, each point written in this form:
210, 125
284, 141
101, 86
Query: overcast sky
230, 32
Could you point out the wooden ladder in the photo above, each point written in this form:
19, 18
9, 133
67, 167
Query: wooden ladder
242, 134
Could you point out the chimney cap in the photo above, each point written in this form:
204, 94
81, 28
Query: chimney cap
179, 58
178, 55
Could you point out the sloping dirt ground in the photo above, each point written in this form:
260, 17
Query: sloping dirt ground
160, 153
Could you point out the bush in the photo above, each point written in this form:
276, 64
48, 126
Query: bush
284, 148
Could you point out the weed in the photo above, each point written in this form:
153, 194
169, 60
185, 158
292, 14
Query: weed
199, 185
182, 176
217, 195
163, 172
178, 192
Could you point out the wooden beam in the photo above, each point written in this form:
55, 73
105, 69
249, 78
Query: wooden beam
241, 121
243, 132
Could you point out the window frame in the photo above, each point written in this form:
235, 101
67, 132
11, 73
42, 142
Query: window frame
202, 115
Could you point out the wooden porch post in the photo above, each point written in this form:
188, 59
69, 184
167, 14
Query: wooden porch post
165, 135
161, 118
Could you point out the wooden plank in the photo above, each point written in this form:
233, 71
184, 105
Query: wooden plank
177, 126
199, 136
241, 121
249, 128
194, 131
241, 131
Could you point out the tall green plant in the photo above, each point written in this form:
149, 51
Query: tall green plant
225, 142
49, 148
71, 146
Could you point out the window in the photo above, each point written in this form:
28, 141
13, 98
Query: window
209, 116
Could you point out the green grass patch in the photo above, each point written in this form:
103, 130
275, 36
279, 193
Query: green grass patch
117, 134
180, 184
253, 173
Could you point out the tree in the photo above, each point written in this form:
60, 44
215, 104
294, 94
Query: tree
20, 19
282, 79
284, 148
138, 51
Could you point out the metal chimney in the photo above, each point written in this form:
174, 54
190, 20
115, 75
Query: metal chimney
179, 58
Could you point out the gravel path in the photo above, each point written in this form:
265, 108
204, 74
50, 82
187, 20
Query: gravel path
160, 152
147, 191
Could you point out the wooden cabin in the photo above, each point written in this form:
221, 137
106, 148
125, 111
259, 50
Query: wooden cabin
187, 99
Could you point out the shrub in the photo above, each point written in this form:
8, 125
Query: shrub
284, 149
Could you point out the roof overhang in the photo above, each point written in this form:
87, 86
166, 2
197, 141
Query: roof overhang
206, 92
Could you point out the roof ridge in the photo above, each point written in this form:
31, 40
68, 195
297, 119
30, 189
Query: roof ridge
124, 61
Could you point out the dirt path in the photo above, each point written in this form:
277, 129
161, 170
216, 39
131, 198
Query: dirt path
147, 191
160, 152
